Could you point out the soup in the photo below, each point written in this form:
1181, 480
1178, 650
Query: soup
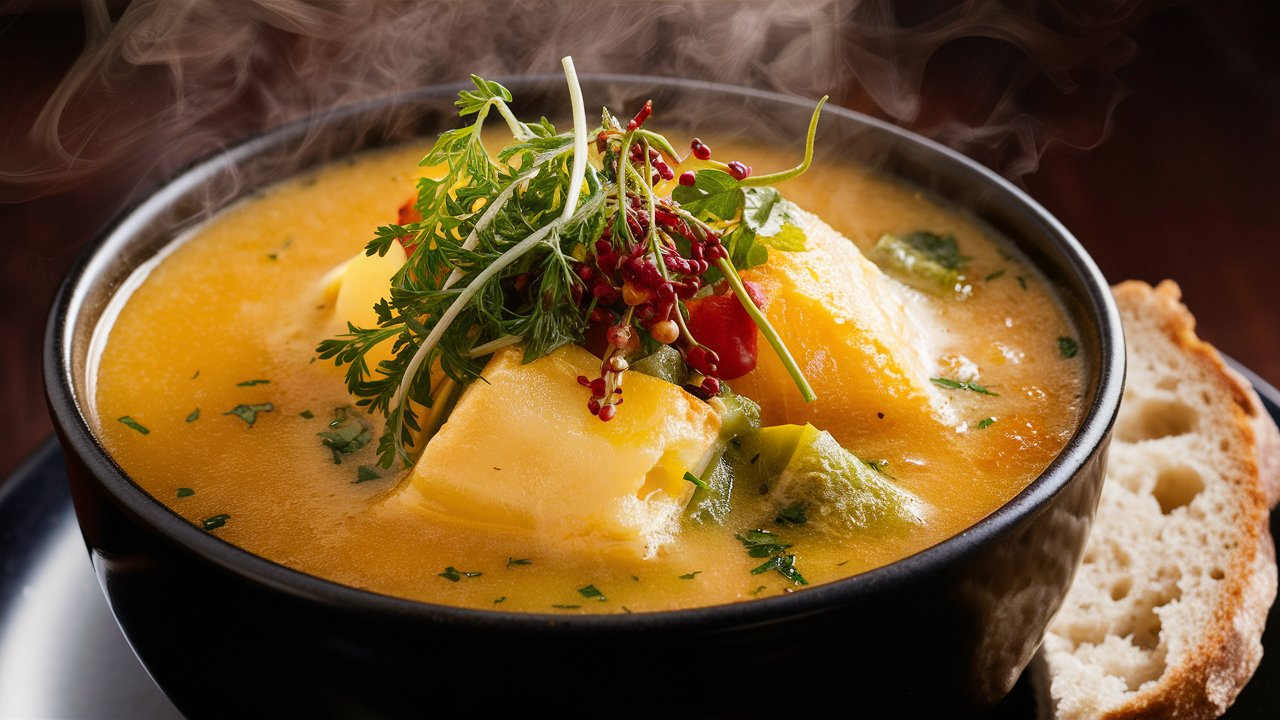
953, 385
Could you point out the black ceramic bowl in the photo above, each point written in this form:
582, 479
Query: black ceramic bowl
229, 634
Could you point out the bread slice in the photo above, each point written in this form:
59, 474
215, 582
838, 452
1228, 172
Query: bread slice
1165, 616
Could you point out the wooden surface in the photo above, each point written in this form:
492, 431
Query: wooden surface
1185, 186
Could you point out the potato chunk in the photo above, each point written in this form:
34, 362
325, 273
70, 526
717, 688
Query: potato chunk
860, 341
520, 450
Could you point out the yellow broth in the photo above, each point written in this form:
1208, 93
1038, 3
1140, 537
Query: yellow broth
241, 300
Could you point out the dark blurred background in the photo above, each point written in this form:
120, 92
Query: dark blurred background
1150, 128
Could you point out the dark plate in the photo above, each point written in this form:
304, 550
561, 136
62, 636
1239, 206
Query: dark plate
62, 655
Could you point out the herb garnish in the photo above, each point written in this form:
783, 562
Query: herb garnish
1022, 281
249, 413
134, 424
365, 473
566, 607
690, 575
957, 385
591, 591
1067, 347
797, 513
306, 414
537, 244
762, 543
348, 433
453, 574
251, 383
985, 423
997, 274
194, 415
500, 600
696, 481
518, 561
215, 521
185, 492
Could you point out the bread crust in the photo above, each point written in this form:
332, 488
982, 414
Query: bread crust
1206, 678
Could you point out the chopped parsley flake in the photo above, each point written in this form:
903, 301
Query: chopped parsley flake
566, 607
956, 385
985, 423
135, 425
518, 561
997, 274
453, 574
786, 567
1067, 347
249, 413
194, 416
591, 591
346, 434
214, 522
365, 473
762, 543
306, 414
185, 492
797, 513
251, 383
759, 589
1023, 282
691, 575
500, 600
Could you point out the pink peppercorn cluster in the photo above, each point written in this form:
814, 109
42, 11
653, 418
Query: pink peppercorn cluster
636, 279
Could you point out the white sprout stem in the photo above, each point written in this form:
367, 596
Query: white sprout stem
473, 238
494, 346
579, 139
518, 129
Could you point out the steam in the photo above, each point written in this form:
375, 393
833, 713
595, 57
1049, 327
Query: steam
169, 80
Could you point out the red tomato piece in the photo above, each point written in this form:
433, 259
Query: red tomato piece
723, 325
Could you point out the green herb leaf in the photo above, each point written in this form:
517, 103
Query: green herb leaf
957, 385
941, 249
251, 383
350, 433
985, 423
691, 575
512, 562
762, 543
500, 600
214, 522
306, 414
453, 574
1022, 281
714, 194
365, 473
797, 513
591, 591
134, 424
566, 607
194, 415
997, 274
249, 413
1067, 347
785, 565
185, 492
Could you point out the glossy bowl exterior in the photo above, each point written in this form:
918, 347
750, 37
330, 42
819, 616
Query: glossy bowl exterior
226, 633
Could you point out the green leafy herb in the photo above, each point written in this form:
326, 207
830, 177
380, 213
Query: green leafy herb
997, 274
251, 383
785, 565
591, 591
512, 562
985, 423
195, 375
214, 522
194, 415
307, 414
500, 600
957, 385
249, 413
504, 244
453, 574
566, 607
1067, 347
797, 513
762, 543
365, 473
696, 480
759, 589
348, 432
941, 249
691, 575
185, 492
134, 424
1022, 281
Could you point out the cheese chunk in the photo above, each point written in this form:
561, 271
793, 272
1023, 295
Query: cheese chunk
521, 450
858, 338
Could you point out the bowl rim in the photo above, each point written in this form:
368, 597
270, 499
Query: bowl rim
76, 435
